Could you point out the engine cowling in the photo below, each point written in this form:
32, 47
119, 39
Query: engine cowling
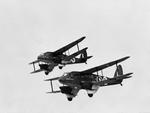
93, 90
46, 67
43, 66
66, 90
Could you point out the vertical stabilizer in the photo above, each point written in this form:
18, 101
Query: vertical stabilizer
84, 55
119, 71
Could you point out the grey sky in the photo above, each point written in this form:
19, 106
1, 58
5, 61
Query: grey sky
114, 29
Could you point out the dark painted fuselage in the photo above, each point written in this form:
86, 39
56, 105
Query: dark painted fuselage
84, 81
50, 57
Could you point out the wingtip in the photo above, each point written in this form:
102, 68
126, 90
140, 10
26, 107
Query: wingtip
48, 92
46, 80
82, 38
127, 57
86, 48
130, 73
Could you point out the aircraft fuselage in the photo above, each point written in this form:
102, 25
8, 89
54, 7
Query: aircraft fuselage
49, 57
84, 81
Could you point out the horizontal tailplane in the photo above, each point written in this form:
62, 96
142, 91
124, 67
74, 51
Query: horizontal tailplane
89, 57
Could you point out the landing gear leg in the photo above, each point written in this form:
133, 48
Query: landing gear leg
90, 95
60, 67
69, 99
46, 72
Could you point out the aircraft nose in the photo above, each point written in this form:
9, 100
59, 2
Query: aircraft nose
40, 56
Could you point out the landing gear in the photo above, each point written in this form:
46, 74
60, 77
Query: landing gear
46, 72
69, 99
90, 95
60, 67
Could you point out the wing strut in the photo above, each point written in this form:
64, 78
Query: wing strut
78, 47
52, 89
102, 72
33, 66
65, 53
116, 65
97, 73
68, 52
51, 85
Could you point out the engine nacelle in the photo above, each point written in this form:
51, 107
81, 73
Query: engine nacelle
66, 89
43, 66
93, 90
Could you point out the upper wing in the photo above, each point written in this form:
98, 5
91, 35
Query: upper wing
92, 70
65, 48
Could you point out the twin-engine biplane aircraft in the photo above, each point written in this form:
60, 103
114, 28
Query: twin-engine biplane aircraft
48, 60
87, 80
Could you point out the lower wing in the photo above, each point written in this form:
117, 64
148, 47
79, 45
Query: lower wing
36, 71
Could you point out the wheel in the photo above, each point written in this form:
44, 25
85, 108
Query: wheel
60, 67
46, 72
90, 95
69, 99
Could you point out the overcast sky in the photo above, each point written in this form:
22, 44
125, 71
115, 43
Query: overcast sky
114, 29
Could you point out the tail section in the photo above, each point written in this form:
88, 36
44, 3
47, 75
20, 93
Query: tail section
72, 59
84, 57
119, 71
84, 54
119, 76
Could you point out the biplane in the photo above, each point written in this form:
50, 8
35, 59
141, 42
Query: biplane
48, 60
73, 82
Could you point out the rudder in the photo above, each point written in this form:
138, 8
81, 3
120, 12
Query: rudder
119, 71
84, 55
